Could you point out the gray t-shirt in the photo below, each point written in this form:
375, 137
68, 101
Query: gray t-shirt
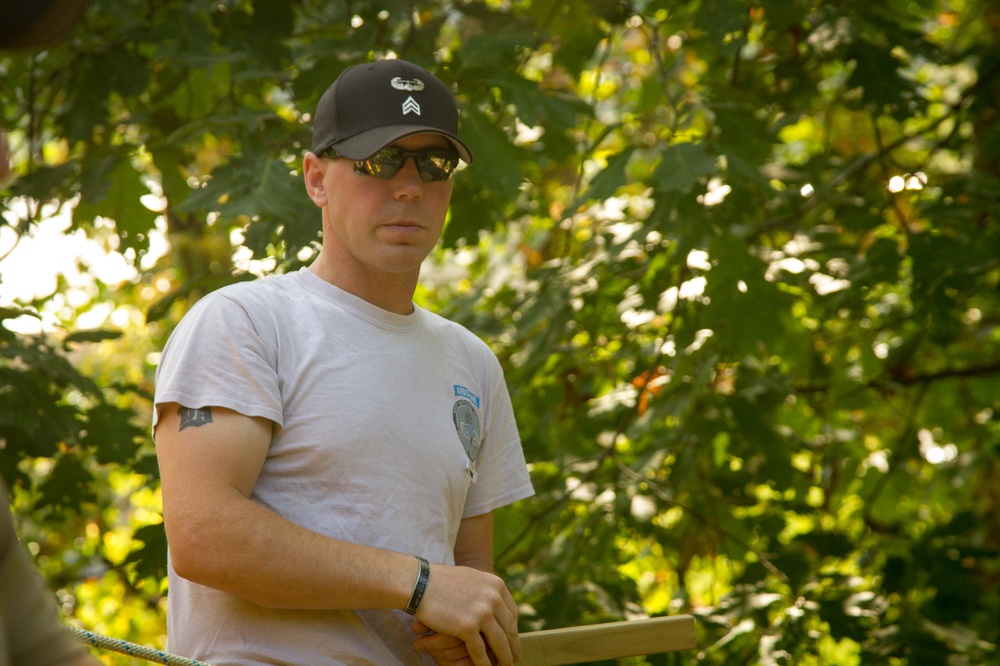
382, 422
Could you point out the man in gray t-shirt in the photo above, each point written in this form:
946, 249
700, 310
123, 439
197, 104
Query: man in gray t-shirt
330, 453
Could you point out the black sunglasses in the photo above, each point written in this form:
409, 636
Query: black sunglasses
433, 165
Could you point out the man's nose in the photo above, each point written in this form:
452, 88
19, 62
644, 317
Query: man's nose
407, 180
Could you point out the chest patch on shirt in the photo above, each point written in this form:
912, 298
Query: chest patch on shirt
467, 426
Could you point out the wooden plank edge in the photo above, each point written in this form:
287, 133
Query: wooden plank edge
611, 640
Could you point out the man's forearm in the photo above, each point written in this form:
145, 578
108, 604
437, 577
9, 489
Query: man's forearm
247, 550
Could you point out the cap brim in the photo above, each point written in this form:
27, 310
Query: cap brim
364, 145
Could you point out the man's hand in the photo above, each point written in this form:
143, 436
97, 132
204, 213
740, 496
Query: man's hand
443, 649
474, 616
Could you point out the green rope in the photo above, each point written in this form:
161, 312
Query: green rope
132, 649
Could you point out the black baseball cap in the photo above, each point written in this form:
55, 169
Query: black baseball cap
373, 104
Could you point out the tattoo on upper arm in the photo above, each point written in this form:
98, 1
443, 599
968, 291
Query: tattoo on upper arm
194, 417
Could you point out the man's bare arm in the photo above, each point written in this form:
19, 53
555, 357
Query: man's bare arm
209, 463
474, 543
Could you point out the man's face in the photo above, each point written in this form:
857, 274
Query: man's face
383, 225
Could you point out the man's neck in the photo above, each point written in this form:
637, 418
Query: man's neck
390, 292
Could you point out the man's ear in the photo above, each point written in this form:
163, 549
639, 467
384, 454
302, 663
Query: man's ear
314, 175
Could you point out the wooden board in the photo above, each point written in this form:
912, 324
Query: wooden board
612, 640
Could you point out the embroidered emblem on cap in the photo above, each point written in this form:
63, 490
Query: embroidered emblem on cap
409, 85
411, 106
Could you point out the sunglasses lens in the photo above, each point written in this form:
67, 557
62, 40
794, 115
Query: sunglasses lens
436, 164
383, 164
433, 165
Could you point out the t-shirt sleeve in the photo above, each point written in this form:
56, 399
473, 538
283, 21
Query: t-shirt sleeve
502, 472
218, 357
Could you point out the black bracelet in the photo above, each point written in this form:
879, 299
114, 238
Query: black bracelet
419, 587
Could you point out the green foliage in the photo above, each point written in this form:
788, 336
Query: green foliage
740, 260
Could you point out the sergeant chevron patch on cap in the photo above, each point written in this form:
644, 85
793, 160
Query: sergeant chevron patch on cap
411, 106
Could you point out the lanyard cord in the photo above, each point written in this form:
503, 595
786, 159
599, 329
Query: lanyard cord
133, 649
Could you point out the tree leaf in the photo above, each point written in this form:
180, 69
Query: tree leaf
683, 166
